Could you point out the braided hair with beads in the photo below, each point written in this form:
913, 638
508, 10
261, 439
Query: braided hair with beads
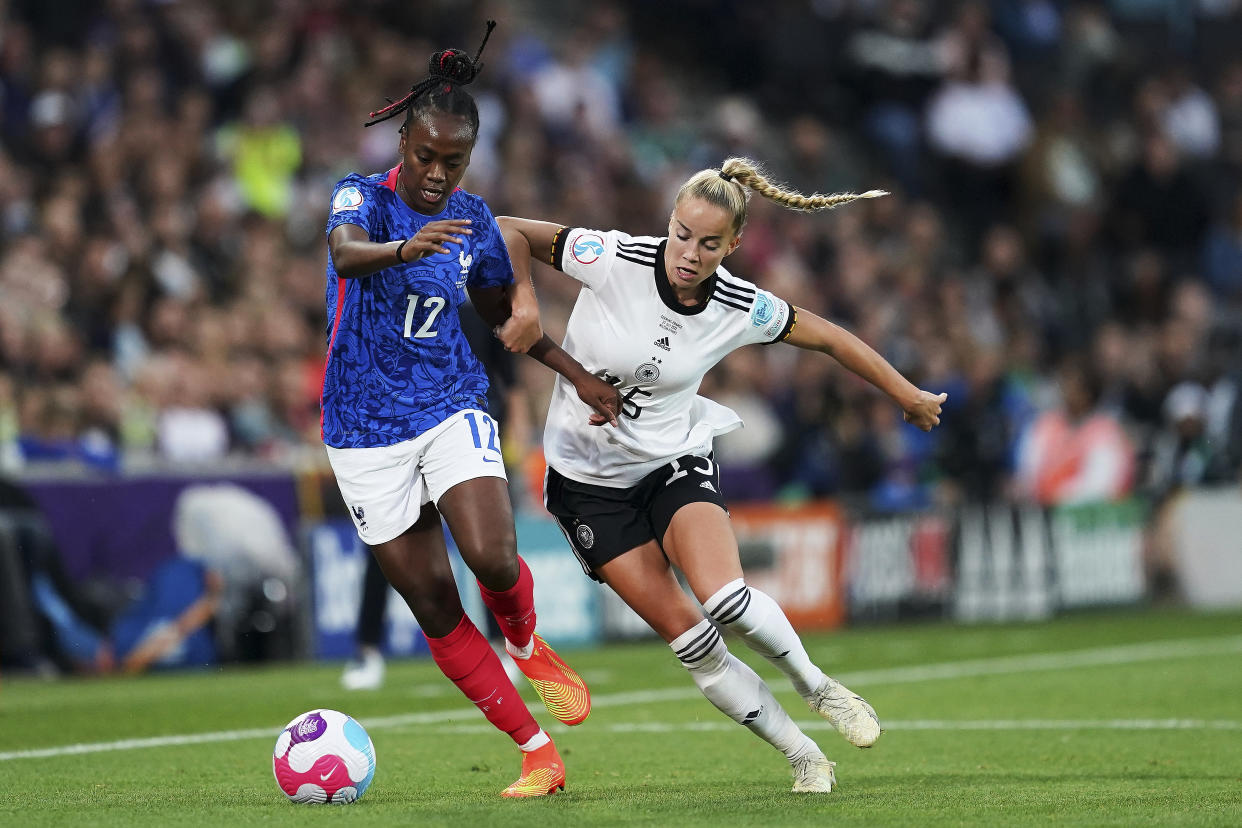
447, 72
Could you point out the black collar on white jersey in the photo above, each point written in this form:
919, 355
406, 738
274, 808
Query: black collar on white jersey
665, 288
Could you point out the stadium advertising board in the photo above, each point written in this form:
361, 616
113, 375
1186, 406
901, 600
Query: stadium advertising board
565, 599
1206, 537
794, 555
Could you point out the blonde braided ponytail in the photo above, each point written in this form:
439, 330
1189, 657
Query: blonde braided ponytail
730, 187
749, 174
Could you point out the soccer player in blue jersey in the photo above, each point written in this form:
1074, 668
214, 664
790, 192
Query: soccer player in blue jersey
404, 405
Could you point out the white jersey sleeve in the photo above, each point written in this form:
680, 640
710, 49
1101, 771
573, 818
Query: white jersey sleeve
588, 255
768, 317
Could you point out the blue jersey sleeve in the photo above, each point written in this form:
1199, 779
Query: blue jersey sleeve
354, 202
491, 266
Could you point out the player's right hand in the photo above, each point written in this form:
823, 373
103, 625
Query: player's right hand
601, 396
924, 412
432, 237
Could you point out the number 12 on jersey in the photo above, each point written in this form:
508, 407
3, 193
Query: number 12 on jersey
436, 303
476, 433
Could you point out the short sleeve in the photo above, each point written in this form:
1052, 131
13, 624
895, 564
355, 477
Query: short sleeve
491, 266
771, 319
353, 202
586, 255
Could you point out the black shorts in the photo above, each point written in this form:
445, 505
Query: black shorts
602, 523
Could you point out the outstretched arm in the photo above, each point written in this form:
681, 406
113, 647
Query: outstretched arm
921, 408
354, 254
493, 304
527, 239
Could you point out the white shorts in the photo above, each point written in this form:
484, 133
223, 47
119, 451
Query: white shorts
385, 487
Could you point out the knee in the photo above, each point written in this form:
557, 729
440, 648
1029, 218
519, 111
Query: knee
493, 559
497, 571
435, 604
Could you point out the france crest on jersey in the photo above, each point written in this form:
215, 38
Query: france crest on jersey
398, 361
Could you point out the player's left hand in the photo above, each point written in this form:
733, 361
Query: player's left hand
521, 330
924, 412
601, 396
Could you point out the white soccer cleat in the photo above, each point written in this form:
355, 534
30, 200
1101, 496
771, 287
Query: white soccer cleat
365, 673
847, 712
813, 773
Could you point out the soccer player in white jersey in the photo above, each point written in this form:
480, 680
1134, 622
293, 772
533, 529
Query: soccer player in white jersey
404, 413
643, 497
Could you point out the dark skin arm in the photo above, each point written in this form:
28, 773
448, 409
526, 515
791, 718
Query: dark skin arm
493, 305
354, 254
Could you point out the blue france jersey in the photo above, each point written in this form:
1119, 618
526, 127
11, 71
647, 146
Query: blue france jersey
398, 362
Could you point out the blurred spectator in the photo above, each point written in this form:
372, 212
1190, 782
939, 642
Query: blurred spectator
979, 125
975, 450
1075, 453
1158, 202
1190, 117
575, 99
895, 64
1064, 183
47, 625
265, 152
188, 428
1182, 455
747, 451
1061, 175
1222, 255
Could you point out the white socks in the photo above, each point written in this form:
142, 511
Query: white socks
537, 741
763, 626
737, 691
522, 653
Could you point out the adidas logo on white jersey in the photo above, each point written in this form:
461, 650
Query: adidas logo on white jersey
707, 484
662, 342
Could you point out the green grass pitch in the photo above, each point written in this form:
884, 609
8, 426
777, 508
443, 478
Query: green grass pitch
1101, 719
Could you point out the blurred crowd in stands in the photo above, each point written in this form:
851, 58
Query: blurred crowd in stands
1061, 252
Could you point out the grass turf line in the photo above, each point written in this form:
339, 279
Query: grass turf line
698, 773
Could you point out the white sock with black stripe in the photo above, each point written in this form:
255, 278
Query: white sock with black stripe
737, 691
762, 624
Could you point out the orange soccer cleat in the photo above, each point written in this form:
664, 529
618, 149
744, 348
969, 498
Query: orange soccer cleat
543, 773
560, 689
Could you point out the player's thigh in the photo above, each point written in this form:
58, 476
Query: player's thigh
465, 477
480, 518
643, 579
700, 542
689, 516
382, 488
417, 565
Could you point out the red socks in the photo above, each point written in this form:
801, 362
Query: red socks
514, 608
469, 661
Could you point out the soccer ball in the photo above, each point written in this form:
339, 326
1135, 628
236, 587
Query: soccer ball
323, 756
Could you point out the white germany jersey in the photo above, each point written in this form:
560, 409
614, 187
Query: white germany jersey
628, 328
